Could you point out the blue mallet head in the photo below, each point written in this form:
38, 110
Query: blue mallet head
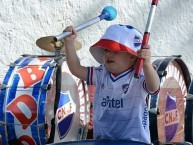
109, 13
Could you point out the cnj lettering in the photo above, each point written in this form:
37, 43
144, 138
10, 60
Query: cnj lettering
171, 117
64, 111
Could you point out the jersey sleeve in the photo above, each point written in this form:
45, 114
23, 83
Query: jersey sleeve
149, 92
90, 76
94, 74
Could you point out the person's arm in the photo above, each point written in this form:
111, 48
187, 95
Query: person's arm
151, 76
71, 56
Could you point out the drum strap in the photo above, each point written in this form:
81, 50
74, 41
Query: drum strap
57, 99
52, 133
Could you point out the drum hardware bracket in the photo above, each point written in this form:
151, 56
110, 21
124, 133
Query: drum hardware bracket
80, 133
189, 97
26, 55
46, 126
42, 125
58, 51
3, 86
49, 86
53, 64
154, 111
36, 56
162, 73
59, 60
2, 123
12, 65
1, 139
45, 87
177, 56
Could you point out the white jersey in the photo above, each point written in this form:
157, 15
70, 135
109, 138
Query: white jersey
120, 108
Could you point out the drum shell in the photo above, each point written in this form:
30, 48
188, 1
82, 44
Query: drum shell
167, 109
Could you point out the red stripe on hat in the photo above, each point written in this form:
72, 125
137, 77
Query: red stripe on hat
113, 46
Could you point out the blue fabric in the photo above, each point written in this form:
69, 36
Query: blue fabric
100, 142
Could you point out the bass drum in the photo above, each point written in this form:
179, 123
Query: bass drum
189, 115
167, 109
41, 102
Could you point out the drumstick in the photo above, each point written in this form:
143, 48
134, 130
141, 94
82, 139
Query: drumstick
109, 13
146, 36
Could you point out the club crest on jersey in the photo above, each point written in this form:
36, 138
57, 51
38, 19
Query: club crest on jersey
99, 69
125, 88
65, 113
137, 41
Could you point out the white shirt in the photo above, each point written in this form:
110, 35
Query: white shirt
120, 107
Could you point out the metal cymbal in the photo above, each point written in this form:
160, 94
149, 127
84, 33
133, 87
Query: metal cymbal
47, 43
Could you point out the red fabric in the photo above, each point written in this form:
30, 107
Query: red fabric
113, 46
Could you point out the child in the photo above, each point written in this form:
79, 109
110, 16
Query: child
120, 107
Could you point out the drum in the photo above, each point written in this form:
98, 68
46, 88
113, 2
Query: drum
42, 102
189, 115
101, 142
167, 109
90, 91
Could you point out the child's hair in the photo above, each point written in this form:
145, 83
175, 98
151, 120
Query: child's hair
117, 37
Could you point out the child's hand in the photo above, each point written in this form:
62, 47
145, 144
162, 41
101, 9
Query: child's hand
72, 37
145, 53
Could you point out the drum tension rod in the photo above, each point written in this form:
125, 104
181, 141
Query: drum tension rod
162, 73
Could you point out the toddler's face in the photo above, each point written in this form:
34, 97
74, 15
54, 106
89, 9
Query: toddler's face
117, 62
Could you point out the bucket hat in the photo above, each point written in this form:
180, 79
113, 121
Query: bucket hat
121, 38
